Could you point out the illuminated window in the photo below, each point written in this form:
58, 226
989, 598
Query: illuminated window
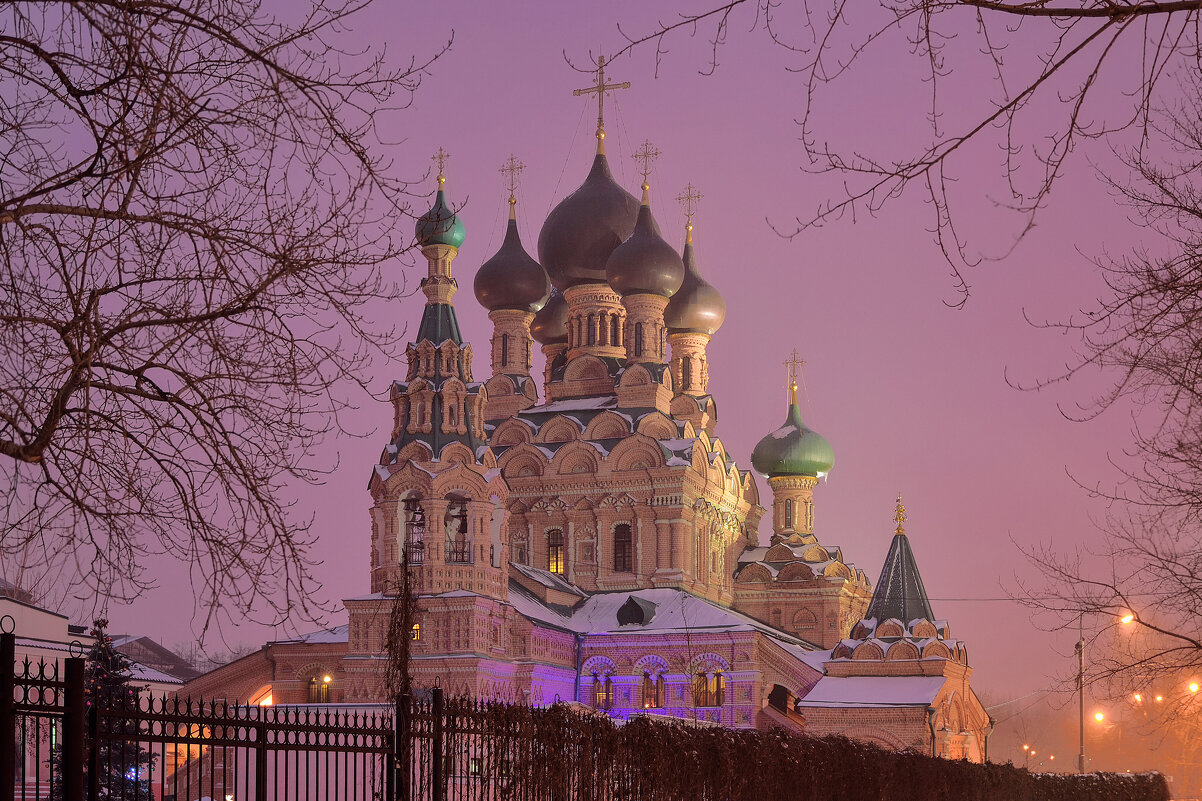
623, 548
653, 691
459, 550
415, 531
709, 689
319, 689
415, 632
475, 765
789, 514
603, 692
555, 551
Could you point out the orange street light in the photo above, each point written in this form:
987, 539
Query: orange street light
1159, 698
1026, 748
1138, 698
1193, 686
1127, 618
1099, 717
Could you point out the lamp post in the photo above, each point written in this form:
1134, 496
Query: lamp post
1081, 690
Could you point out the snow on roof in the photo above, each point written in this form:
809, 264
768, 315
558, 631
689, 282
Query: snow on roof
878, 691
574, 405
548, 579
140, 672
530, 607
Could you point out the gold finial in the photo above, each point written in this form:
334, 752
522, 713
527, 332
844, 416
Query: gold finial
899, 516
689, 199
793, 364
647, 153
442, 157
511, 169
599, 89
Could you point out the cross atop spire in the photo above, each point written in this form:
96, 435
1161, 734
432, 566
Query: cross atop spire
599, 89
793, 364
647, 154
511, 169
688, 199
442, 157
899, 516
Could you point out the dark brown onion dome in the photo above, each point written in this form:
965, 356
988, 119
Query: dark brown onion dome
645, 264
511, 279
586, 226
550, 325
696, 307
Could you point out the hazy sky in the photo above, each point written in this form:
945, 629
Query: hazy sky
911, 393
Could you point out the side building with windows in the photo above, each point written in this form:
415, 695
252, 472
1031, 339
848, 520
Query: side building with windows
598, 544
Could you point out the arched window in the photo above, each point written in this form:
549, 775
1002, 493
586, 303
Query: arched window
592, 330
614, 335
603, 692
415, 632
686, 372
520, 555
789, 514
459, 550
809, 516
504, 350
653, 691
415, 531
319, 689
555, 561
709, 689
602, 329
623, 549
638, 339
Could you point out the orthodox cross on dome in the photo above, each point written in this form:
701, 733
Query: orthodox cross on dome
442, 157
899, 516
599, 89
689, 199
647, 153
511, 169
793, 364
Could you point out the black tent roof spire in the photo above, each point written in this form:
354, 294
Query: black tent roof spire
899, 592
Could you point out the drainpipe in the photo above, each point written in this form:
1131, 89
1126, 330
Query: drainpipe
989, 731
931, 725
579, 656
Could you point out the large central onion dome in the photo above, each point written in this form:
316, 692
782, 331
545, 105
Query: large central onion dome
586, 226
793, 449
645, 264
550, 325
440, 225
696, 307
511, 279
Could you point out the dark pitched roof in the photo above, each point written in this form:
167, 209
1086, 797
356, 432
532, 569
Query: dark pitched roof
900, 593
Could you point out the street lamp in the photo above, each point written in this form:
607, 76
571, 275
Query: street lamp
1099, 716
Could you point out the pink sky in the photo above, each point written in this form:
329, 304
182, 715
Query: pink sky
911, 394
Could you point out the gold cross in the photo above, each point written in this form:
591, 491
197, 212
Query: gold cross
899, 516
442, 157
794, 365
689, 199
646, 153
599, 89
511, 169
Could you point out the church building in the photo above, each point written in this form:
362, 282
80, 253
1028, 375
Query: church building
584, 535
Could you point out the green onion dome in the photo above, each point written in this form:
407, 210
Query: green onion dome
550, 325
511, 279
696, 307
580, 233
793, 449
440, 225
645, 264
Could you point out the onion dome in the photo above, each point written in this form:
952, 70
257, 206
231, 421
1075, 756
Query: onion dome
793, 449
645, 264
511, 279
696, 307
550, 325
440, 225
586, 226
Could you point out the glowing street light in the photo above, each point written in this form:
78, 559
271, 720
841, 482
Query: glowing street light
1127, 618
1138, 698
1099, 716
1193, 686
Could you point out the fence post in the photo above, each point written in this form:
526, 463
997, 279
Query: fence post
74, 722
400, 776
8, 718
439, 790
261, 755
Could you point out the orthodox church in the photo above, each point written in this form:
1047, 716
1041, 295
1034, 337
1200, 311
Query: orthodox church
595, 542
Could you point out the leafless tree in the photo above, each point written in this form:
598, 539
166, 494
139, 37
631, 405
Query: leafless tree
196, 213
1060, 72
